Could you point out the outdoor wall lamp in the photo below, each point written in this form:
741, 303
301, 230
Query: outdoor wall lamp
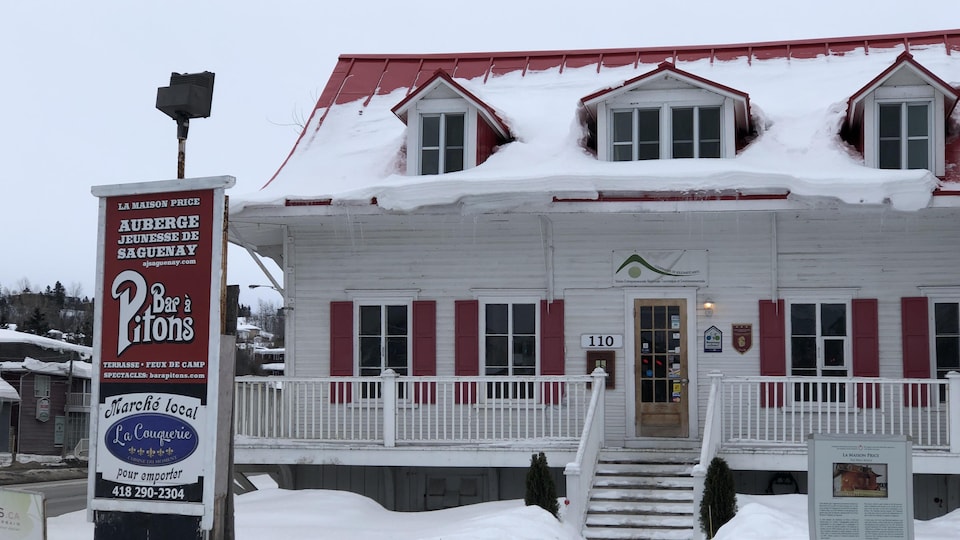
708, 306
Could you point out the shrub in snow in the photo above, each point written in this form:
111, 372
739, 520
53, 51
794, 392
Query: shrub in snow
541, 490
719, 503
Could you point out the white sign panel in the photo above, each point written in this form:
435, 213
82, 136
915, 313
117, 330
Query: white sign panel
688, 267
601, 341
22, 515
861, 487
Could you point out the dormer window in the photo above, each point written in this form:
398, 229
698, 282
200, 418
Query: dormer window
442, 142
898, 120
668, 114
448, 128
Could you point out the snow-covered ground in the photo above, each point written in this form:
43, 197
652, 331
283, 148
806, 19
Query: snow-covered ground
337, 515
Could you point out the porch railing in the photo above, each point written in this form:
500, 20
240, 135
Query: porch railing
391, 410
782, 411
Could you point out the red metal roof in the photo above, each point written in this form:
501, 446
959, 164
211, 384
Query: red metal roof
362, 76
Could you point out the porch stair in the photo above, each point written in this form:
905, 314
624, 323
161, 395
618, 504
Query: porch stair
643, 495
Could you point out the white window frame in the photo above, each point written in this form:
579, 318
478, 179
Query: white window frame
510, 301
909, 94
937, 295
818, 299
904, 137
383, 302
665, 101
434, 106
41, 386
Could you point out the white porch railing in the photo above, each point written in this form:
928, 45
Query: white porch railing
783, 411
391, 410
580, 473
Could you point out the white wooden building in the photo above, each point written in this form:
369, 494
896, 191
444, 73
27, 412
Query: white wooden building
756, 242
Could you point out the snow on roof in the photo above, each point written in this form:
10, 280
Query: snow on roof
7, 392
10, 336
81, 369
351, 151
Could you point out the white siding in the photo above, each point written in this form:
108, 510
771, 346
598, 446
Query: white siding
883, 254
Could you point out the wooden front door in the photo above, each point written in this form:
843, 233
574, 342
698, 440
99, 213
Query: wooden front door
660, 368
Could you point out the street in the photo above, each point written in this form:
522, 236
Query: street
62, 496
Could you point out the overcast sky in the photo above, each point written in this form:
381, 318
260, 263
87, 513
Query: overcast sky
79, 80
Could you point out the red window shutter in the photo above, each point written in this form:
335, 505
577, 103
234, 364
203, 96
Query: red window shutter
341, 349
425, 348
866, 349
915, 329
773, 350
551, 347
466, 347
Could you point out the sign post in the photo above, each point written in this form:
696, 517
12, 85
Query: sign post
154, 442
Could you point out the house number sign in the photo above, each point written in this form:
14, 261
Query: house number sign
601, 341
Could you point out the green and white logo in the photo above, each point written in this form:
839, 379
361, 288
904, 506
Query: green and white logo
659, 267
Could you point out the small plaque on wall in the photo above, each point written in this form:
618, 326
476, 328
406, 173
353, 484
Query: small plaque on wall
712, 340
604, 360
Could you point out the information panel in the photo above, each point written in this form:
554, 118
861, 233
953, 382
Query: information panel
157, 345
861, 487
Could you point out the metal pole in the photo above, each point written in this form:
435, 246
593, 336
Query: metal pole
181, 158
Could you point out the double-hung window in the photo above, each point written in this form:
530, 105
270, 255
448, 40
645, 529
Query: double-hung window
666, 132
904, 135
384, 341
819, 346
442, 142
509, 331
946, 323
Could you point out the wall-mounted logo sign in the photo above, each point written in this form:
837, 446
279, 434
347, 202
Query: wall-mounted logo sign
660, 267
712, 340
43, 409
742, 337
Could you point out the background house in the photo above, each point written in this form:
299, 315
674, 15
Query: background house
53, 412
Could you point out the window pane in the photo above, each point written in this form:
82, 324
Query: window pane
709, 149
833, 319
496, 357
889, 154
803, 321
524, 355
890, 121
917, 154
803, 353
648, 151
917, 120
430, 132
397, 354
682, 133
396, 320
623, 126
946, 317
430, 161
622, 152
453, 160
454, 131
948, 353
660, 342
648, 125
709, 123
369, 320
496, 319
524, 319
370, 352
833, 353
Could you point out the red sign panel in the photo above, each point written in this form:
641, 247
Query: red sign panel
156, 288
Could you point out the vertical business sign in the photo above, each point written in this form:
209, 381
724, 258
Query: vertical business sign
157, 346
